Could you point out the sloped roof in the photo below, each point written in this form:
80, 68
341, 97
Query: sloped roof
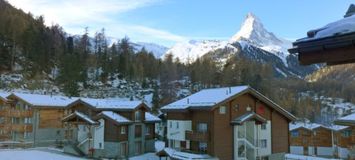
114, 104
309, 126
114, 117
3, 95
151, 118
248, 116
331, 44
80, 115
38, 100
208, 98
348, 120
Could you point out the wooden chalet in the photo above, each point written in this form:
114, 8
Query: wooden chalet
109, 128
226, 123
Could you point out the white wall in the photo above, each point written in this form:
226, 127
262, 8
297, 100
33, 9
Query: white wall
265, 134
325, 151
310, 150
296, 150
99, 133
175, 133
83, 131
343, 152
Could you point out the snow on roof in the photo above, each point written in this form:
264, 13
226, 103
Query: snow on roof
338, 127
80, 115
116, 117
241, 119
340, 27
350, 117
111, 103
206, 97
3, 95
150, 117
45, 100
84, 116
309, 126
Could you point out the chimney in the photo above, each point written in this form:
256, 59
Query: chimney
230, 90
188, 101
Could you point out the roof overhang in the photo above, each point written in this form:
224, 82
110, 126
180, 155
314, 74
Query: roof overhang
338, 49
250, 90
14, 96
250, 116
79, 101
103, 116
76, 118
345, 122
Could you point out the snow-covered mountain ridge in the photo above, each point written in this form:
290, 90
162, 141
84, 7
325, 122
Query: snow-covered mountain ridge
252, 41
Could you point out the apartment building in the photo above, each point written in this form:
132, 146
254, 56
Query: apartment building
109, 128
346, 138
227, 123
33, 120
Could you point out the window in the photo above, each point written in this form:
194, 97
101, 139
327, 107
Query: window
28, 120
346, 133
147, 130
222, 110
263, 126
177, 125
236, 107
294, 133
137, 115
202, 127
100, 145
170, 124
123, 130
202, 147
263, 143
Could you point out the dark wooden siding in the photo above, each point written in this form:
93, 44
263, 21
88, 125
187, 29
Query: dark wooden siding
113, 132
279, 133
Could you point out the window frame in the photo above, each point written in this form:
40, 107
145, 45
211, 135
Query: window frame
222, 110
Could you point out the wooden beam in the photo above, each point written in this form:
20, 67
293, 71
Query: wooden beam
331, 56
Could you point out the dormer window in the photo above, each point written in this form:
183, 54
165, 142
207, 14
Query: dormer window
138, 115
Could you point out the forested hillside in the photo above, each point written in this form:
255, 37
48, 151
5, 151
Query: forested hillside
47, 54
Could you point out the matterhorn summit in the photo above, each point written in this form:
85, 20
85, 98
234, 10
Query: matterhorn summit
253, 32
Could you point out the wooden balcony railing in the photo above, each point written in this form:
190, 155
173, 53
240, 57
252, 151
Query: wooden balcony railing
22, 127
20, 113
3, 113
197, 136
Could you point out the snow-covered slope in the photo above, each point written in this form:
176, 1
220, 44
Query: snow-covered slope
191, 50
157, 50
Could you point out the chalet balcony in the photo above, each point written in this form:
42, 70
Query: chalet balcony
3, 113
197, 136
22, 127
20, 113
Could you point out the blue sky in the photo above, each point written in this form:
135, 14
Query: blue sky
169, 21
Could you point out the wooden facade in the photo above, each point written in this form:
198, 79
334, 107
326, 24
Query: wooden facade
219, 134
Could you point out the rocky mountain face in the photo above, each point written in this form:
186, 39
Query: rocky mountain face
252, 41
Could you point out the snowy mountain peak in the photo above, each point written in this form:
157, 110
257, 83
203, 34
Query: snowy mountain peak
252, 31
249, 27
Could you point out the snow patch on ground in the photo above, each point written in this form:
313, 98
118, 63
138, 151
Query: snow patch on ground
35, 154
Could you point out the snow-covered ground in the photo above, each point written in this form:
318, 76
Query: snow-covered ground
300, 157
55, 154
35, 154
159, 145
